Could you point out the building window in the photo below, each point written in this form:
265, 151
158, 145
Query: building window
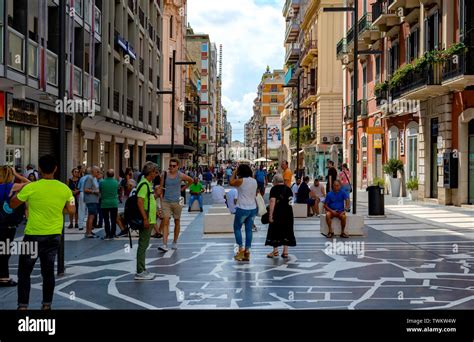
274, 88
394, 58
412, 46
15, 138
204, 47
351, 100
171, 26
378, 68
412, 137
274, 99
461, 19
393, 143
364, 82
274, 110
432, 32
171, 68
16, 51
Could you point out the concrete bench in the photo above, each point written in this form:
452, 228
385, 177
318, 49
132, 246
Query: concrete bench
218, 210
300, 210
354, 225
218, 223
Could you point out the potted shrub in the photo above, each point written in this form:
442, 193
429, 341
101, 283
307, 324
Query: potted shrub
392, 168
412, 186
379, 181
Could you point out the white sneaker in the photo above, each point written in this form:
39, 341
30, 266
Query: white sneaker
163, 248
144, 276
174, 246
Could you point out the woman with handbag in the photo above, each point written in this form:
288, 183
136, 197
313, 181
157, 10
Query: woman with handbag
7, 231
280, 216
345, 179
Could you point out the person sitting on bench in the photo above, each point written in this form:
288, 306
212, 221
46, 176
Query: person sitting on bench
336, 203
302, 197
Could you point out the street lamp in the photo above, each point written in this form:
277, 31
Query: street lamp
265, 127
356, 52
172, 92
298, 109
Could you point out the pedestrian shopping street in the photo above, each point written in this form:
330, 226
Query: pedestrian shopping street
418, 256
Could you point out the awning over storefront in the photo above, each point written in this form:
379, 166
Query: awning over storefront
99, 124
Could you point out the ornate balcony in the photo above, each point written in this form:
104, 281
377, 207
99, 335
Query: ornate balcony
458, 71
310, 50
420, 85
382, 17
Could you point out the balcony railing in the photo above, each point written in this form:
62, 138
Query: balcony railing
350, 36
116, 101
130, 108
293, 52
426, 76
341, 48
348, 113
462, 65
365, 23
381, 96
140, 113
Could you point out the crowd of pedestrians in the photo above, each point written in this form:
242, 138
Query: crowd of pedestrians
91, 198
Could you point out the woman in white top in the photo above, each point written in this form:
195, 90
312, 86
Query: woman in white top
246, 208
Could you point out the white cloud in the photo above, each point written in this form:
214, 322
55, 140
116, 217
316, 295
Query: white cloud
252, 36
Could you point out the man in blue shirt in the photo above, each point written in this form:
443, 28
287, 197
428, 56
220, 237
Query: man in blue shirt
82, 205
336, 203
261, 178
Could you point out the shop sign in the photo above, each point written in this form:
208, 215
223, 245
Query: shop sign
374, 130
126, 153
22, 112
402, 142
378, 143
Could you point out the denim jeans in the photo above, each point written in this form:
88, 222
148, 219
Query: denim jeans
7, 235
48, 246
110, 219
194, 198
246, 217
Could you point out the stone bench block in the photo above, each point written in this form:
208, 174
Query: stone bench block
354, 225
218, 223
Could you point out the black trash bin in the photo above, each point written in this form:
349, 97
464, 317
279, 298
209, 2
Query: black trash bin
376, 200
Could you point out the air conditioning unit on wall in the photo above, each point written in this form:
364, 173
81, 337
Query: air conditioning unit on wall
338, 139
326, 140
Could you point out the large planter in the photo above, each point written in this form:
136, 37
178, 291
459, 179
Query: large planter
413, 195
395, 186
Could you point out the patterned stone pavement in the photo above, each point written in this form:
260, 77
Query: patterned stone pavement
417, 257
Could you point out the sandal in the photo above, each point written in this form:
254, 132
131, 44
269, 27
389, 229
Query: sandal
8, 283
272, 255
330, 235
344, 235
284, 255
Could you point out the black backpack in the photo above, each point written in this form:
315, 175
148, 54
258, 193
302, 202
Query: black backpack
9, 217
133, 217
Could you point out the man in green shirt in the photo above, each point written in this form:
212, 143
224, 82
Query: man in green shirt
147, 207
48, 200
109, 203
196, 189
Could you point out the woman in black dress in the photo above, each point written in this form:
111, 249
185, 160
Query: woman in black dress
280, 231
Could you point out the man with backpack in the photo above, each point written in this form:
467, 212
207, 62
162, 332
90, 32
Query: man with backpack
44, 228
9, 218
146, 201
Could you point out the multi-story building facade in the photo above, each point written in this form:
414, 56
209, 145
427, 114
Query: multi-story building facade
421, 94
311, 64
204, 53
173, 41
191, 115
106, 63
